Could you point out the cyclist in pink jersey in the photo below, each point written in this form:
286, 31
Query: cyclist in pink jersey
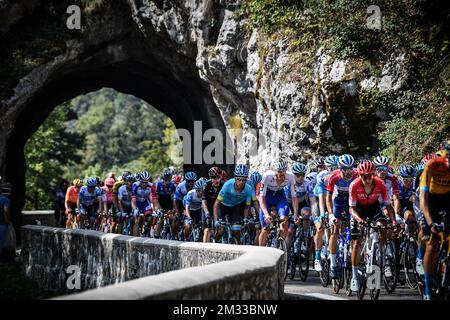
367, 196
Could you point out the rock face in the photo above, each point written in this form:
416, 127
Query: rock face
194, 60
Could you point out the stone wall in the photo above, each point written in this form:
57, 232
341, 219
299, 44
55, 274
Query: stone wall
45, 217
161, 269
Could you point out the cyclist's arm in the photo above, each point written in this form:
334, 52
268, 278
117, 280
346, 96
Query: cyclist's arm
216, 209
295, 205
186, 211
246, 211
120, 206
329, 202
262, 202
205, 208
397, 206
78, 202
391, 214
256, 205
424, 206
322, 202
355, 214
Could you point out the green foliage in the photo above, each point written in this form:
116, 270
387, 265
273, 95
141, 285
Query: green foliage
110, 131
50, 146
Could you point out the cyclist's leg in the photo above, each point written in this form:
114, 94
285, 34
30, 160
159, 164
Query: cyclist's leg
207, 227
282, 207
187, 227
335, 223
236, 218
262, 241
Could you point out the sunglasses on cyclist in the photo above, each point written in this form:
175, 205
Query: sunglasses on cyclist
347, 170
382, 168
240, 179
407, 180
366, 176
299, 175
215, 177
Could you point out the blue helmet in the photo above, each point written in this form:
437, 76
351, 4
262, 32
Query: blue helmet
166, 174
129, 178
420, 167
346, 161
256, 177
407, 171
199, 184
299, 168
91, 182
190, 176
331, 161
241, 170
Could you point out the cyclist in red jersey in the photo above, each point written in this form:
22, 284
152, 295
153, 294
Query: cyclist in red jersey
367, 195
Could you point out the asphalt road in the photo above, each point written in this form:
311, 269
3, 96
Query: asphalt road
312, 289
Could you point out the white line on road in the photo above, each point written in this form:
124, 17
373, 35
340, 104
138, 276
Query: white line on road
323, 296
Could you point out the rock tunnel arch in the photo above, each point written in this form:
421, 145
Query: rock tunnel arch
183, 98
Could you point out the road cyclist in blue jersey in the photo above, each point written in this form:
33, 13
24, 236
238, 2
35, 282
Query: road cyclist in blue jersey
233, 202
272, 195
193, 208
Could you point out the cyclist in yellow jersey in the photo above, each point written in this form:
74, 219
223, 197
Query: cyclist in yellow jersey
435, 205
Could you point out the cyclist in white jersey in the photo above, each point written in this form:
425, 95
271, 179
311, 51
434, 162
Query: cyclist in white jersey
272, 196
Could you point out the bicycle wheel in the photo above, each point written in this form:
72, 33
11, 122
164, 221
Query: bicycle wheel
292, 261
338, 281
303, 257
376, 275
348, 277
362, 271
324, 275
442, 274
281, 244
409, 264
390, 283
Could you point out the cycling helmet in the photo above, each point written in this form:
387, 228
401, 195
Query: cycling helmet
420, 167
190, 176
299, 168
129, 178
109, 181
381, 161
366, 167
241, 170
256, 177
125, 173
280, 165
320, 161
91, 182
199, 184
428, 157
407, 171
214, 172
346, 161
331, 161
111, 175
166, 174
77, 182
177, 179
144, 176
97, 179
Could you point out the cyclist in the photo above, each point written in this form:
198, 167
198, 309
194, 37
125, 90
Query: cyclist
367, 195
124, 201
193, 208
337, 202
234, 201
108, 202
383, 172
181, 191
165, 190
117, 185
141, 200
407, 196
320, 190
434, 200
301, 190
71, 201
272, 195
88, 196
255, 183
210, 194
